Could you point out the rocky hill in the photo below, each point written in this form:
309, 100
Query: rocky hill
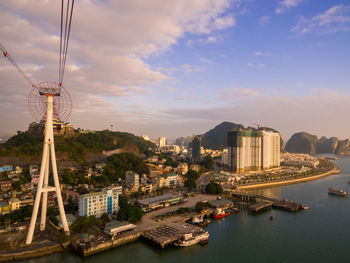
25, 148
216, 138
304, 142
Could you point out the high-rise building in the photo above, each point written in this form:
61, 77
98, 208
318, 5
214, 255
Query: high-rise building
253, 150
96, 204
270, 149
132, 179
162, 141
196, 148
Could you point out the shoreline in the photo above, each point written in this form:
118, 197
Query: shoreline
288, 182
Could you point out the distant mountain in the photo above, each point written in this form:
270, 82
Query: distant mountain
216, 138
304, 142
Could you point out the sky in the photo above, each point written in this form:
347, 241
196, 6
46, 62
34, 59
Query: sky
177, 68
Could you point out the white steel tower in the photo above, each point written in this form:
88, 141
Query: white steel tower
43, 187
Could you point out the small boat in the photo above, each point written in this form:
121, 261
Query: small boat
196, 220
192, 238
332, 191
204, 222
219, 213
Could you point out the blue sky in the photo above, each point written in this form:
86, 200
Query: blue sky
178, 68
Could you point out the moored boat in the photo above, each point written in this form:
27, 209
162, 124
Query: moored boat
204, 222
219, 213
192, 238
332, 191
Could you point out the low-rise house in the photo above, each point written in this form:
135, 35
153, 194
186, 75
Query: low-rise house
155, 202
5, 185
114, 228
6, 168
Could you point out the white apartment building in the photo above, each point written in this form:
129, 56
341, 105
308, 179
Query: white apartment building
253, 150
96, 204
225, 157
162, 141
270, 149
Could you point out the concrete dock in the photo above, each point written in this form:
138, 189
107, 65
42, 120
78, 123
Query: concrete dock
166, 235
260, 207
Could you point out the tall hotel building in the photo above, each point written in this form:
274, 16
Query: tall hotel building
96, 204
253, 150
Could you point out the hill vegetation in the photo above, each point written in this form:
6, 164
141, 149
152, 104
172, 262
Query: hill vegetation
75, 148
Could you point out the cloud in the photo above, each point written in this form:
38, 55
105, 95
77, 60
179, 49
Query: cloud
187, 68
264, 20
336, 18
224, 22
300, 84
211, 39
205, 60
235, 93
109, 44
259, 53
287, 4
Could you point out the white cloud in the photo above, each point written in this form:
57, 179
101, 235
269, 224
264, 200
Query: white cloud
108, 45
300, 84
237, 93
336, 18
259, 53
211, 39
224, 22
187, 68
264, 20
287, 4
205, 60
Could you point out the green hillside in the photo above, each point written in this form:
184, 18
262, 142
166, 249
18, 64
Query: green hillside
74, 148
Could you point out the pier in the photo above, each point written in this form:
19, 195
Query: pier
284, 204
166, 235
260, 207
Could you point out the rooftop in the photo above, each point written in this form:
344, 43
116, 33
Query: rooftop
158, 199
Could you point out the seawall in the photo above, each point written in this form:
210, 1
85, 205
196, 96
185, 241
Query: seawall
109, 244
33, 252
287, 182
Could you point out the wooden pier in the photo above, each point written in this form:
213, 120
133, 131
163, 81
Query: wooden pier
276, 203
166, 235
260, 207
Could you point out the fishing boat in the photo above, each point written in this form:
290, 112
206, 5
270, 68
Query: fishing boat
196, 220
204, 222
219, 213
192, 238
332, 191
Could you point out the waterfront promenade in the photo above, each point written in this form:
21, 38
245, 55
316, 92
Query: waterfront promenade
287, 181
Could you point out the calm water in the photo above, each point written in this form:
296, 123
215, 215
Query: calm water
321, 234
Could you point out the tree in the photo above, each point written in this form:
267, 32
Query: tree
213, 188
207, 163
129, 212
191, 177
